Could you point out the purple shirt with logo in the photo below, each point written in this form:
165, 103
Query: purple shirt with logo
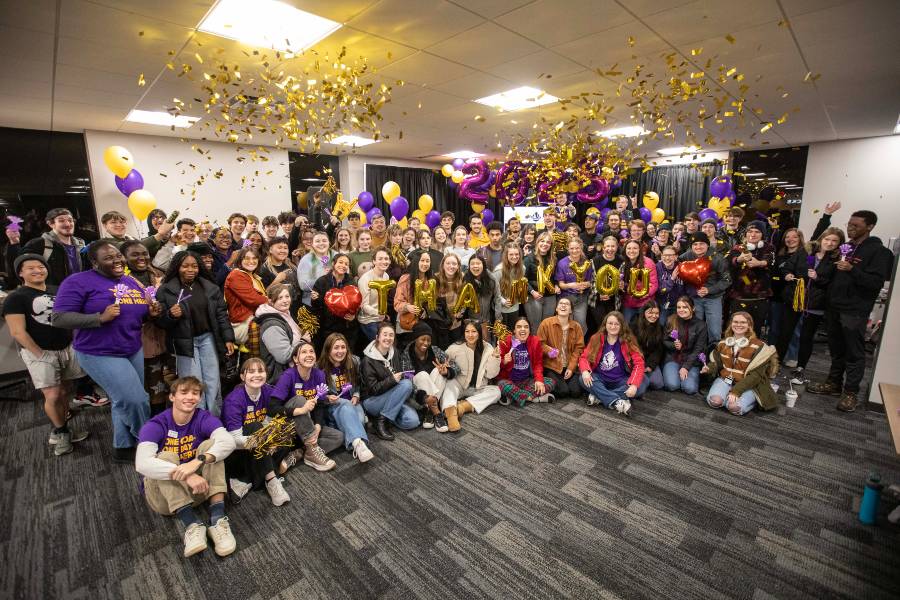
564, 274
290, 384
239, 410
183, 440
611, 367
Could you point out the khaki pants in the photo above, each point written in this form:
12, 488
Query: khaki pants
166, 496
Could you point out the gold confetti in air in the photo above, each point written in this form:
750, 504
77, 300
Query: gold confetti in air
141, 81
730, 38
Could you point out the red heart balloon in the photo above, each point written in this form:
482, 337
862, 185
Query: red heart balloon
343, 301
695, 272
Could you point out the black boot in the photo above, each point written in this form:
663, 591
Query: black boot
382, 429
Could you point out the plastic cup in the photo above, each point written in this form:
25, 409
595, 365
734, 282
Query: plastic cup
791, 398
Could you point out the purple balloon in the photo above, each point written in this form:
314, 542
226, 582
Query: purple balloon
720, 187
453, 185
603, 213
366, 201
399, 208
646, 215
487, 215
708, 213
458, 163
433, 219
372, 213
132, 182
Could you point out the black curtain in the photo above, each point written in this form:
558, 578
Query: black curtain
681, 188
415, 182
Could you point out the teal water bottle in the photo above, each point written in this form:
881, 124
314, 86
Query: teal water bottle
868, 508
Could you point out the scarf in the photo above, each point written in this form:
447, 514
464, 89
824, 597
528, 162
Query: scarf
268, 309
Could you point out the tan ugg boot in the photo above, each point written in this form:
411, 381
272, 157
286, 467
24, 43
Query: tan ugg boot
463, 407
452, 419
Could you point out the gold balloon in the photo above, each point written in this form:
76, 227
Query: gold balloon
362, 215
606, 280
419, 214
302, 199
447, 170
644, 275
476, 207
519, 291
544, 280
426, 203
658, 215
467, 299
457, 176
651, 200
389, 191
382, 286
118, 160
140, 203
425, 297
580, 270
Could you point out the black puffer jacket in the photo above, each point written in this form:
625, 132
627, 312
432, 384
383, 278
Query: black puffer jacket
696, 334
817, 289
376, 371
794, 264
179, 340
854, 291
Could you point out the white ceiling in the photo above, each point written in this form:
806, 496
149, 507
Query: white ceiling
72, 65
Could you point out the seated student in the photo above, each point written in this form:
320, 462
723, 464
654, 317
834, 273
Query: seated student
521, 377
563, 340
384, 385
279, 334
45, 350
244, 292
612, 367
744, 366
477, 363
181, 453
244, 412
431, 370
341, 370
648, 331
685, 338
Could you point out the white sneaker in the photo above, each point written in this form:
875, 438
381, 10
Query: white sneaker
75, 437
223, 539
592, 400
361, 452
623, 407
194, 539
790, 364
239, 488
275, 487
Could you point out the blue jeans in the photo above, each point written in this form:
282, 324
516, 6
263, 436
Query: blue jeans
204, 365
719, 388
349, 420
370, 330
123, 379
653, 379
793, 352
392, 406
673, 381
710, 310
629, 312
776, 314
607, 394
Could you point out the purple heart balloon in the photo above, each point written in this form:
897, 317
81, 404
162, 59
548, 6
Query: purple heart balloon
131, 183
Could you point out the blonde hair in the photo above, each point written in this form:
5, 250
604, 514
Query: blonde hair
510, 272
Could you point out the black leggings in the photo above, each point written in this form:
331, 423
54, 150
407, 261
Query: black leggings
562, 387
786, 333
807, 337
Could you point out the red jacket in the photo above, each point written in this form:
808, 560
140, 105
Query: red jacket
535, 354
242, 296
634, 360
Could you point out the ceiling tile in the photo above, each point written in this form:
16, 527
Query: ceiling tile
475, 85
176, 12
25, 44
831, 25
536, 69
406, 22
551, 22
486, 45
35, 15
424, 68
696, 21
117, 29
491, 9
611, 46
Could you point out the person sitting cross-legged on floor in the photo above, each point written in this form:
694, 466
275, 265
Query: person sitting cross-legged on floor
744, 366
521, 379
431, 371
385, 385
685, 339
181, 454
612, 367
477, 363
244, 412
563, 341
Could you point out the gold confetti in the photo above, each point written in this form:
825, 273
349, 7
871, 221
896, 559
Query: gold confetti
730, 38
141, 81
630, 41
696, 51
479, 118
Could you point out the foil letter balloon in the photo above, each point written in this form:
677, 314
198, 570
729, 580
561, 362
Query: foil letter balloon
580, 270
635, 290
695, 272
544, 280
382, 287
425, 294
607, 280
467, 299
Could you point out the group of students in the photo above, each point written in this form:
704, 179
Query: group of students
193, 332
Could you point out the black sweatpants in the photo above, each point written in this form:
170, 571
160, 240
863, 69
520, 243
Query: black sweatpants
846, 343
808, 330
564, 388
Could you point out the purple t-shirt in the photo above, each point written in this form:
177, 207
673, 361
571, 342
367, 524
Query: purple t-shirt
89, 292
611, 367
239, 410
290, 384
521, 369
184, 440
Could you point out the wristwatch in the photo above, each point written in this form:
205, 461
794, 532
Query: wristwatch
204, 458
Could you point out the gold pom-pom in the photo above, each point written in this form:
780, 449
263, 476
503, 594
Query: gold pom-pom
277, 433
308, 322
500, 330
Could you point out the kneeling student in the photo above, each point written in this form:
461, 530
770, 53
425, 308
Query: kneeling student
181, 454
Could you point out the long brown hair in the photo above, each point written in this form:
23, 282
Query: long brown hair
729, 333
348, 365
509, 272
547, 259
676, 323
813, 246
625, 335
446, 286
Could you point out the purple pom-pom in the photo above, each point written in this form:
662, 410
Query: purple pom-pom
702, 358
246, 243
674, 334
811, 261
553, 353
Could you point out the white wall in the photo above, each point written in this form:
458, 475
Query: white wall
215, 199
353, 171
888, 356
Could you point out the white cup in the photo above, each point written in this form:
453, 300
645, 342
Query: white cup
791, 398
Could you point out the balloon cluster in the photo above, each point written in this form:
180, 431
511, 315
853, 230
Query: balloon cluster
399, 206
722, 197
129, 181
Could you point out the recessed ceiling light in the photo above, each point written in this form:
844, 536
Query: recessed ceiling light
464, 154
744, 167
678, 150
620, 132
149, 117
352, 140
267, 24
311, 179
753, 174
771, 179
518, 98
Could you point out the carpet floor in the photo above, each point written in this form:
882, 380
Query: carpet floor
551, 501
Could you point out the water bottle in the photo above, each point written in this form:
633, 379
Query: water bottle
868, 508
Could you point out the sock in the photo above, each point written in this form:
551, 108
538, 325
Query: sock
216, 512
187, 515
63, 429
